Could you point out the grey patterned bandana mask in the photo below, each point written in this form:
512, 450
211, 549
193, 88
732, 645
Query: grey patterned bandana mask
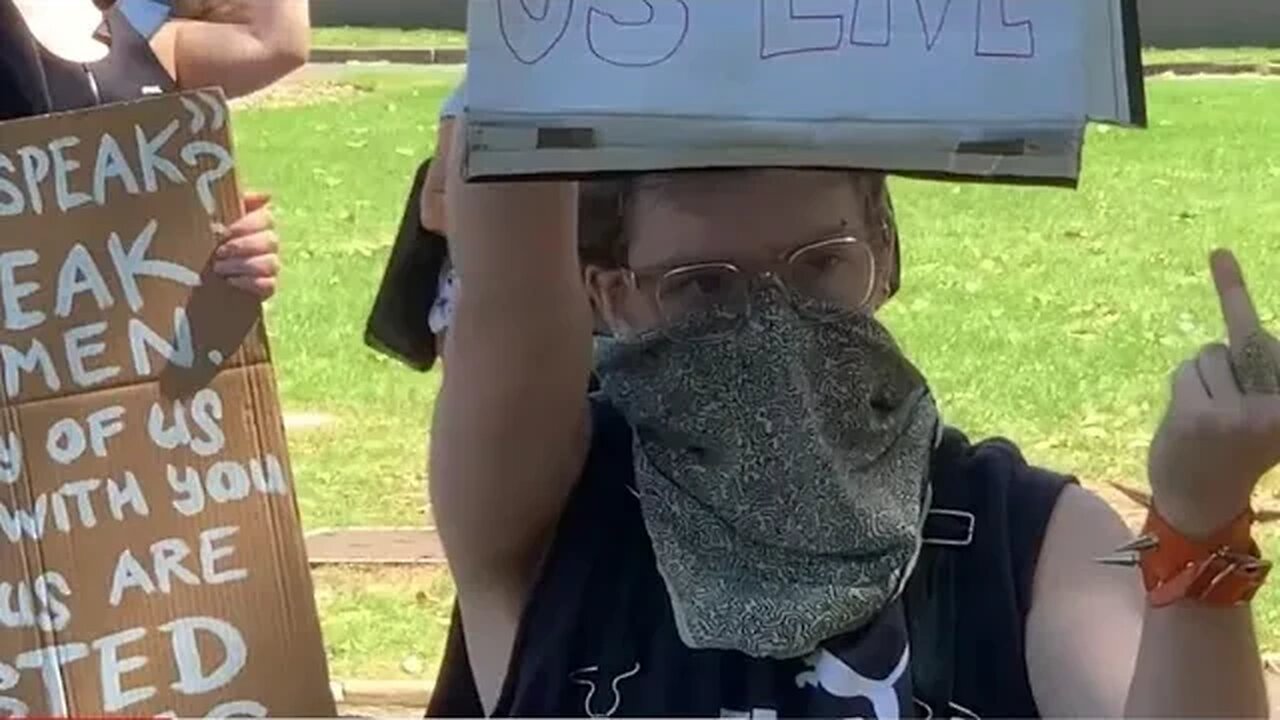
782, 473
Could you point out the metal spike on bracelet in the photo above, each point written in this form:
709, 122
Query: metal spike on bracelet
1143, 500
1137, 497
1130, 554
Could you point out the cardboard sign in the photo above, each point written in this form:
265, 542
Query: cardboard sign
151, 558
983, 88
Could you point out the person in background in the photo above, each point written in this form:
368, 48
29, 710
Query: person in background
763, 514
60, 55
241, 46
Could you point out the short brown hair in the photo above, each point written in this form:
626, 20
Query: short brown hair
602, 213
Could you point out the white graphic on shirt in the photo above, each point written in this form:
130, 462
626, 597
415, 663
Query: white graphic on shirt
582, 676
836, 678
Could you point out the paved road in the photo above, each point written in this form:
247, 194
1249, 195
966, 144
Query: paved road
374, 546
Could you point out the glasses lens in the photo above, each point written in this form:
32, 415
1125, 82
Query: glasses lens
833, 276
702, 301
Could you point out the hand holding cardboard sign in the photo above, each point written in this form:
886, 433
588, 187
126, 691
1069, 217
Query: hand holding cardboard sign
1221, 433
155, 382
249, 254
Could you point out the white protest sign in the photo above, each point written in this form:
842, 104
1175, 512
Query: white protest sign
993, 88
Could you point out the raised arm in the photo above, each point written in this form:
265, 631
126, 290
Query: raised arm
510, 432
240, 45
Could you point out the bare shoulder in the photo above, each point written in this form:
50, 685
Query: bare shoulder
1082, 528
1086, 618
1083, 522
164, 45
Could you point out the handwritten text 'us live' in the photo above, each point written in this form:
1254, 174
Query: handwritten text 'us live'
651, 33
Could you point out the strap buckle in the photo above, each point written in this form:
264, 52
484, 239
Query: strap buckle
950, 528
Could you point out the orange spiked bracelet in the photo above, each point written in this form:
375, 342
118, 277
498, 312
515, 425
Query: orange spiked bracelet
1223, 570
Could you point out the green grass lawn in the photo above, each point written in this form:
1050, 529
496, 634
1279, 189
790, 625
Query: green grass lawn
1049, 316
384, 624
360, 37
340, 173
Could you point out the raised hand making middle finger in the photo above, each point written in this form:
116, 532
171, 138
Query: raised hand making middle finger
1222, 429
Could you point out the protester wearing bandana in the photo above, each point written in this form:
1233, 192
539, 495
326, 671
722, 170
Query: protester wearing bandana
762, 512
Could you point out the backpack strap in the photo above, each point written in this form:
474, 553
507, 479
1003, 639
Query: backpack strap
929, 597
967, 483
931, 608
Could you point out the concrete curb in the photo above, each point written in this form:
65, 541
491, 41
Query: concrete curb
401, 693
458, 56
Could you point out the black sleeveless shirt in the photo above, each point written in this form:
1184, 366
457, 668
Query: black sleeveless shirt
597, 637
34, 81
